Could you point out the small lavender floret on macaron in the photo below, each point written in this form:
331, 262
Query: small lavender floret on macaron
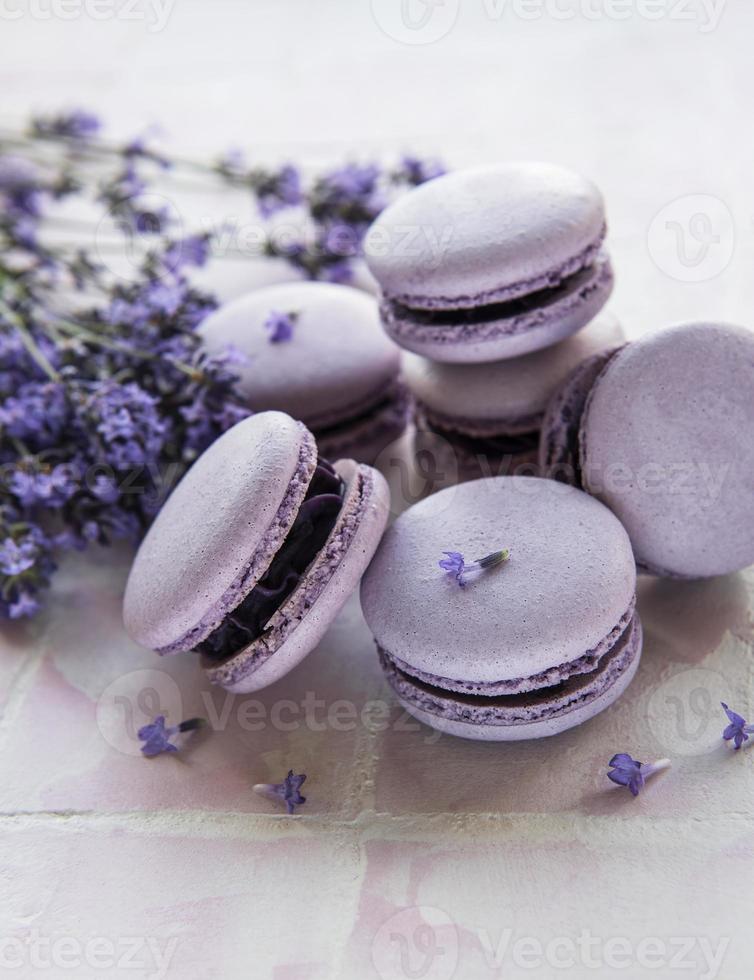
330, 365
660, 432
511, 259
255, 552
279, 326
458, 568
626, 771
537, 644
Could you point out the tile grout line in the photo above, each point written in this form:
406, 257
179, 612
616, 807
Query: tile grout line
368, 826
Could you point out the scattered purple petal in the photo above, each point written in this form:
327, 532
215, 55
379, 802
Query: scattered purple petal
287, 791
156, 736
738, 731
627, 772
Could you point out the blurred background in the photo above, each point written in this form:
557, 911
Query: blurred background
648, 97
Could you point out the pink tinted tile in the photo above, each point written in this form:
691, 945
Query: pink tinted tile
73, 746
211, 906
457, 905
19, 643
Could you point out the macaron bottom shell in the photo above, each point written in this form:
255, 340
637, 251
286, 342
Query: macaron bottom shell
570, 704
500, 331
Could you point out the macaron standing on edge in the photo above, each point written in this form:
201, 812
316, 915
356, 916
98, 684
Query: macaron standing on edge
331, 366
492, 262
661, 432
488, 416
527, 648
254, 553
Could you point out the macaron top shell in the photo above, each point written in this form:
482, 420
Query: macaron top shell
666, 442
337, 358
507, 390
218, 531
569, 580
486, 234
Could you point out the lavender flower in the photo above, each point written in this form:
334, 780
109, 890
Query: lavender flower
287, 791
414, 171
280, 326
626, 771
457, 567
25, 565
21, 186
15, 557
738, 731
24, 605
156, 736
190, 251
75, 125
277, 190
104, 406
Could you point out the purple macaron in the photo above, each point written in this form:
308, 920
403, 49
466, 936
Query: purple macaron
661, 432
316, 352
491, 263
487, 417
528, 647
255, 552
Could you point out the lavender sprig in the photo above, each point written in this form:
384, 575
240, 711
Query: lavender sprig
103, 406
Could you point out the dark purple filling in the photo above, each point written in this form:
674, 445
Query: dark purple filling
395, 397
502, 445
314, 522
506, 310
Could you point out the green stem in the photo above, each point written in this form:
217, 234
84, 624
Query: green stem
79, 330
29, 342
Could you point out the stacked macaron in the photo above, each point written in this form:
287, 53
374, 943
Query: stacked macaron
493, 278
316, 352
